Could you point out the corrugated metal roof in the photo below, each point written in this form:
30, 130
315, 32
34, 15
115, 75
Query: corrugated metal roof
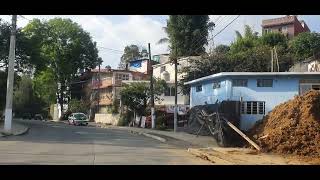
223, 74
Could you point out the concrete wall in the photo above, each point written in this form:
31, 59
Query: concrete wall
112, 119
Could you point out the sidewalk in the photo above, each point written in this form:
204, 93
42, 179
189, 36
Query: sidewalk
17, 129
200, 141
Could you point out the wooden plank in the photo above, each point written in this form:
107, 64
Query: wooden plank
243, 135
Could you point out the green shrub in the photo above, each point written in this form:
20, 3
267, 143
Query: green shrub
161, 121
125, 118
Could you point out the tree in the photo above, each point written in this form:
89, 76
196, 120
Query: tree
222, 49
76, 105
305, 45
66, 48
131, 52
25, 59
244, 42
187, 34
205, 66
274, 39
137, 95
25, 100
45, 86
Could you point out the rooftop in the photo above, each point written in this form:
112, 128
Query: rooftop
278, 21
224, 74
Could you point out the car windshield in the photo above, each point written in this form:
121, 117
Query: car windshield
79, 116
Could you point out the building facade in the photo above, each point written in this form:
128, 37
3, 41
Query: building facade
258, 93
166, 71
288, 25
107, 89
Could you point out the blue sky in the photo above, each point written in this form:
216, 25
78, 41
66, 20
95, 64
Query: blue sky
117, 31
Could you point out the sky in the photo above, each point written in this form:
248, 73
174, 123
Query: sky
113, 32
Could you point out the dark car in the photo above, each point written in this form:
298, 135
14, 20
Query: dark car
38, 117
27, 116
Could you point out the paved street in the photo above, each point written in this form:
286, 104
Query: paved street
58, 143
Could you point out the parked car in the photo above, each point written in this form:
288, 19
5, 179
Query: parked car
27, 116
38, 117
78, 119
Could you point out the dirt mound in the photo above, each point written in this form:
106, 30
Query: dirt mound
292, 127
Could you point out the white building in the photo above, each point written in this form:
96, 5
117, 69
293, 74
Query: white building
166, 71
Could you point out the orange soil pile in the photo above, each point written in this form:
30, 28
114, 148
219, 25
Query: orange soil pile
292, 127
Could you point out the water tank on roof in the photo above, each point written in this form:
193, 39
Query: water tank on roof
165, 76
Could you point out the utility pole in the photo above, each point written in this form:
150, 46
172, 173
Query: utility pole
99, 81
8, 111
153, 117
175, 120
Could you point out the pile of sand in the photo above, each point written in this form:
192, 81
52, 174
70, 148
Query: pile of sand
292, 127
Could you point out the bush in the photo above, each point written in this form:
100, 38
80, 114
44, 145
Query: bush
161, 121
125, 118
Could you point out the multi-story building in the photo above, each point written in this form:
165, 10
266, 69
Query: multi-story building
107, 89
288, 25
166, 71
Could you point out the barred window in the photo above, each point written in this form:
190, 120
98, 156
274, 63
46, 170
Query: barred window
253, 107
249, 108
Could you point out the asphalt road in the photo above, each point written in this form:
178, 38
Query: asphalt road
58, 143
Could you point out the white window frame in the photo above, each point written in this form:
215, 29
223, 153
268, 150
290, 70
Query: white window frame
244, 108
306, 84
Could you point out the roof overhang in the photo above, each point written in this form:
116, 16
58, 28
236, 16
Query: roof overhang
225, 74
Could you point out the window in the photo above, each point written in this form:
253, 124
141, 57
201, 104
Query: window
253, 107
284, 29
198, 88
264, 82
162, 68
122, 76
261, 107
216, 85
249, 108
169, 91
240, 82
242, 108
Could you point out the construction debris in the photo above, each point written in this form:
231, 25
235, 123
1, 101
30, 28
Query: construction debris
292, 127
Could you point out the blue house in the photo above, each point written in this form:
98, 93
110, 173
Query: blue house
258, 92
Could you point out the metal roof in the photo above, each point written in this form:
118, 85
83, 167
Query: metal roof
224, 74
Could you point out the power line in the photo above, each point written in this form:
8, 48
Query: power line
111, 50
226, 26
215, 27
219, 31
25, 18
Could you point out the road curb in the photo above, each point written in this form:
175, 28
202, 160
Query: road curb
155, 137
26, 129
149, 135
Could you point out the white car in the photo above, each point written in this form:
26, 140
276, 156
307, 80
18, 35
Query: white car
78, 119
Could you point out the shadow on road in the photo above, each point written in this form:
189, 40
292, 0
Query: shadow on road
60, 133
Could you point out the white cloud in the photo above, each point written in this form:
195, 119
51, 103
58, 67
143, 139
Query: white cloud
118, 31
109, 33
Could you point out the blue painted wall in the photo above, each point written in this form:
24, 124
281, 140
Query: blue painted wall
284, 88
